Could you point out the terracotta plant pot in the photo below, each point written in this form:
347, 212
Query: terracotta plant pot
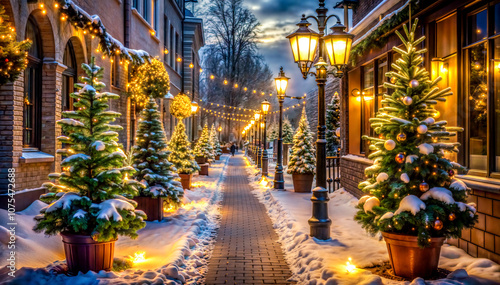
302, 183
153, 207
84, 254
217, 157
204, 169
201, 159
410, 261
225, 150
186, 180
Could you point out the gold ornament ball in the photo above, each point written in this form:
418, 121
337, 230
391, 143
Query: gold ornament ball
400, 157
401, 137
452, 216
414, 83
393, 80
424, 186
438, 225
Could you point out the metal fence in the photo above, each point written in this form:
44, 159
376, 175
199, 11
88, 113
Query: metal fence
333, 173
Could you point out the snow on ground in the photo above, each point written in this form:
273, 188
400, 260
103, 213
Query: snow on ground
324, 262
176, 249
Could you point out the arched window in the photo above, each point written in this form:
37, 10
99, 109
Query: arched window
69, 77
32, 88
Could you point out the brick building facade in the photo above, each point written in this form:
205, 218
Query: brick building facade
30, 107
455, 31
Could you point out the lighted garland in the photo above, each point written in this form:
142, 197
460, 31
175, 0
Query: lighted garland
180, 106
12, 53
93, 25
149, 80
380, 36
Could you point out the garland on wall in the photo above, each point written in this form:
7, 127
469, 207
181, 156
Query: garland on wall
93, 25
380, 36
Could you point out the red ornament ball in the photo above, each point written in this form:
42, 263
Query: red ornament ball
400, 157
424, 186
452, 216
438, 225
6, 60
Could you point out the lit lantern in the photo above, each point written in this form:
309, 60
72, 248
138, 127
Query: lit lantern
338, 45
257, 116
304, 42
220, 128
194, 107
266, 106
281, 83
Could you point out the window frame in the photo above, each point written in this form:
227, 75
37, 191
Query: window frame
69, 76
34, 65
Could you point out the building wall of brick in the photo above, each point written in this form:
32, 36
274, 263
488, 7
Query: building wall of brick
364, 7
56, 33
352, 171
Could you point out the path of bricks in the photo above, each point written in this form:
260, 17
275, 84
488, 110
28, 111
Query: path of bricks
246, 250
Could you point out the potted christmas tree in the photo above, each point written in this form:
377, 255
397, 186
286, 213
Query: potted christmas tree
153, 168
182, 156
415, 200
333, 125
90, 205
214, 141
203, 150
302, 164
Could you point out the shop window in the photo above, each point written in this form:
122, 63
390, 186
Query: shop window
496, 92
382, 68
32, 88
69, 77
367, 105
477, 27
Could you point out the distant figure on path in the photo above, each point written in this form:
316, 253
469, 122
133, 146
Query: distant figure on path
233, 149
236, 146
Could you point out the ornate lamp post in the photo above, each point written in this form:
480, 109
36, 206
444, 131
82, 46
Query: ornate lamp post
338, 45
281, 84
194, 110
252, 136
258, 150
266, 106
220, 130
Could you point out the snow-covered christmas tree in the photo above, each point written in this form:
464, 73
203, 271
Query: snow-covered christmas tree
151, 158
272, 132
411, 185
287, 131
303, 156
181, 154
93, 190
214, 141
332, 124
203, 147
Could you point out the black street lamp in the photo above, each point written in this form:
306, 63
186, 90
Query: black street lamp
258, 151
251, 146
194, 110
338, 45
281, 85
265, 159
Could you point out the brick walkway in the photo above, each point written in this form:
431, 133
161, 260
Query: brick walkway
246, 250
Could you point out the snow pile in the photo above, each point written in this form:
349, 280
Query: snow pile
318, 262
176, 249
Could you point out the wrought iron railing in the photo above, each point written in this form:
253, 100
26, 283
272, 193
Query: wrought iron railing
333, 172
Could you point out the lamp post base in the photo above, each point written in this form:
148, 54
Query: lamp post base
265, 163
320, 222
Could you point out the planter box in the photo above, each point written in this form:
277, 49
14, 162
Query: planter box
84, 254
302, 183
201, 159
410, 261
186, 180
225, 150
153, 207
204, 169
217, 157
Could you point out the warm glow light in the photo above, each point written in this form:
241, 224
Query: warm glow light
126, 177
263, 182
225, 82
165, 51
179, 59
212, 76
191, 65
236, 85
349, 266
138, 257
153, 32
365, 98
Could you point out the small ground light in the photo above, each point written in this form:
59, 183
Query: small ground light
138, 257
